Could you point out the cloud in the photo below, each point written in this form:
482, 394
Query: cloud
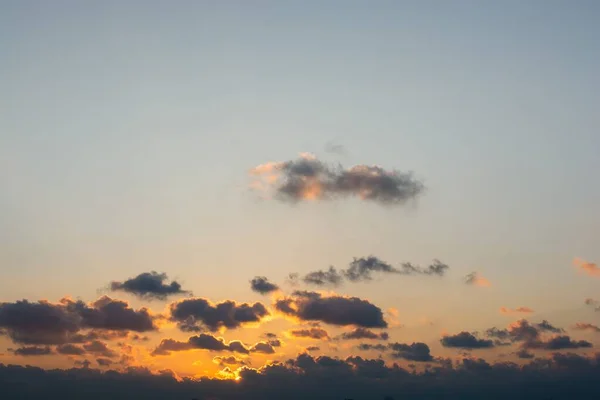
581, 326
586, 267
311, 333
228, 360
200, 342
530, 336
334, 310
368, 346
558, 343
321, 278
104, 362
466, 340
363, 333
45, 323
33, 351
593, 303
313, 348
99, 348
261, 284
307, 178
148, 286
475, 279
196, 314
413, 352
262, 347
518, 310
70, 349
335, 148
524, 354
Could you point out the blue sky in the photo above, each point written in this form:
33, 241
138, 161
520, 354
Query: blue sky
128, 129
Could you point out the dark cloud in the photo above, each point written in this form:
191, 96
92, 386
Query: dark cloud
33, 351
149, 285
466, 340
104, 362
524, 354
311, 333
413, 352
262, 347
361, 269
363, 333
563, 376
559, 343
197, 314
270, 335
199, 342
367, 347
47, 323
307, 178
334, 310
228, 360
321, 278
261, 284
313, 348
530, 336
70, 349
275, 342
99, 348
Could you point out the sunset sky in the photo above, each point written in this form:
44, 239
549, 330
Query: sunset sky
443, 157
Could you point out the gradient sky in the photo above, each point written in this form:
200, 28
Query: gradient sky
127, 130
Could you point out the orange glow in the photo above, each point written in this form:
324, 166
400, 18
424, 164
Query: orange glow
524, 310
587, 267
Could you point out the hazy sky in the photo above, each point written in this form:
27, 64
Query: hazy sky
128, 129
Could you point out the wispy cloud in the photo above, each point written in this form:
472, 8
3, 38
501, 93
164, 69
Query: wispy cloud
476, 279
518, 310
587, 267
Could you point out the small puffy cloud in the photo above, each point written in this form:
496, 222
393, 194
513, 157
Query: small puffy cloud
582, 326
307, 178
228, 360
196, 314
104, 362
310, 333
262, 347
261, 284
466, 340
414, 352
587, 267
29, 351
363, 333
518, 310
476, 279
149, 285
322, 278
200, 342
334, 310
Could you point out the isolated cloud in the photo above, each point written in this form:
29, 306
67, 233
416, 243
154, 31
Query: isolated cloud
149, 285
311, 333
44, 323
414, 352
363, 333
518, 310
593, 303
197, 314
524, 354
334, 310
587, 267
313, 348
321, 278
33, 351
200, 342
368, 346
261, 284
466, 340
307, 178
361, 269
476, 279
228, 360
582, 326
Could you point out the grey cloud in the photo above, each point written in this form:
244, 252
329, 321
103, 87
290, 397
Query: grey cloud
466, 340
149, 285
33, 351
367, 347
196, 314
261, 284
363, 333
582, 326
200, 342
313, 348
414, 352
335, 310
99, 348
262, 347
104, 362
321, 278
70, 349
228, 360
311, 333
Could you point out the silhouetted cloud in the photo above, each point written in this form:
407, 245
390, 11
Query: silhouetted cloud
311, 333
413, 352
558, 343
261, 284
262, 347
313, 348
307, 178
70, 349
321, 278
466, 340
197, 314
33, 351
368, 346
335, 310
228, 360
476, 279
43, 322
148, 286
363, 333
104, 362
524, 354
518, 310
582, 326
530, 336
99, 348
587, 267
200, 342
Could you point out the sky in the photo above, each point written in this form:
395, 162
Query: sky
131, 133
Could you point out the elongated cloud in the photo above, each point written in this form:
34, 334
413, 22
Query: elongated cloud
414, 352
28, 351
530, 336
148, 286
307, 178
261, 284
518, 310
200, 342
466, 340
587, 267
476, 279
228, 360
322, 278
334, 310
197, 314
583, 326
363, 333
311, 333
